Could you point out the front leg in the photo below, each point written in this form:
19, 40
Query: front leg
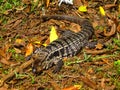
57, 62
58, 66
91, 45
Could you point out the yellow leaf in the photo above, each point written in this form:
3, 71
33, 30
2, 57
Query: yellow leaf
47, 2
19, 41
37, 42
78, 86
102, 11
75, 87
44, 44
53, 34
82, 8
34, 1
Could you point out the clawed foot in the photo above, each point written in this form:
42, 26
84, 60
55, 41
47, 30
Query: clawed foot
58, 66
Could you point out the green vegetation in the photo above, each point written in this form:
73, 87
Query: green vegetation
117, 66
101, 28
11, 51
116, 41
87, 57
9, 4
6, 6
18, 76
1, 38
16, 56
34, 5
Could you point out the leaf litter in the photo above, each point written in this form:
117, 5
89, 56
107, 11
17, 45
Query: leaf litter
97, 69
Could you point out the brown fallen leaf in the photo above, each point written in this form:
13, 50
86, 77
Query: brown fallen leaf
103, 83
89, 82
3, 88
61, 24
107, 6
17, 70
26, 1
115, 1
118, 28
112, 87
16, 23
2, 53
112, 31
99, 46
77, 3
90, 70
4, 61
5, 55
27, 9
17, 50
12, 21
47, 41
106, 60
75, 27
29, 49
55, 85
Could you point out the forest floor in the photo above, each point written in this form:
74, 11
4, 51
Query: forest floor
21, 28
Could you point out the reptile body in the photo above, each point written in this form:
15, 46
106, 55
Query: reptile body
67, 46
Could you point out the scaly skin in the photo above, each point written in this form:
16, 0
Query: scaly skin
67, 46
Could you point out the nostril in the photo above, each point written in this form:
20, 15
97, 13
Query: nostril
28, 57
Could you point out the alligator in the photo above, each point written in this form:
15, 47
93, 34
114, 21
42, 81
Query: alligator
67, 46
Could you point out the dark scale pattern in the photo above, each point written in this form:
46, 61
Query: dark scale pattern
67, 46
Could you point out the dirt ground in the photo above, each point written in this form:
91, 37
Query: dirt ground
92, 69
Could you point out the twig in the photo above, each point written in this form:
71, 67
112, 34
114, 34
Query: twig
98, 51
17, 70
